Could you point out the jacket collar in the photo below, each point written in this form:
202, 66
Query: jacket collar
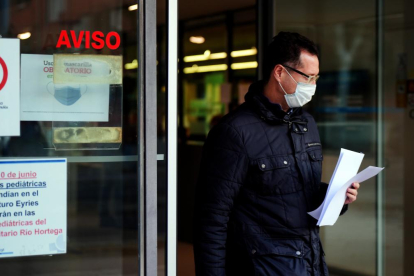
268, 111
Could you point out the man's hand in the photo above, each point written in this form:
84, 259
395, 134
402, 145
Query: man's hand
351, 193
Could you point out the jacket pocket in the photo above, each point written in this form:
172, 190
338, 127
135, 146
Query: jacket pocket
281, 247
276, 175
315, 154
280, 257
316, 158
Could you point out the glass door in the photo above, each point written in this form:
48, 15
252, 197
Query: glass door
82, 103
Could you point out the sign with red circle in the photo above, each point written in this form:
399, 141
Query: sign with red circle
9, 87
5, 73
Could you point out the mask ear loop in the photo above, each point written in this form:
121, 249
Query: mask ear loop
290, 75
281, 84
282, 88
48, 90
81, 88
292, 79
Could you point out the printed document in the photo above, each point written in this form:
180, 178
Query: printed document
43, 100
344, 175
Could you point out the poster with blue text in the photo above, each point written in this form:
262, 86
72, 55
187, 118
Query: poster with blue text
33, 207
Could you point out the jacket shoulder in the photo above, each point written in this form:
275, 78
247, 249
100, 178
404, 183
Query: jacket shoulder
243, 115
306, 115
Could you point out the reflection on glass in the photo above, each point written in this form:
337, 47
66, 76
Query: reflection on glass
218, 71
87, 135
103, 196
213, 79
344, 108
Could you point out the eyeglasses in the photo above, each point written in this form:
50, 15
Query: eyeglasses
310, 79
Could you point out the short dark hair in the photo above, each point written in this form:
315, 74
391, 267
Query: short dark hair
285, 48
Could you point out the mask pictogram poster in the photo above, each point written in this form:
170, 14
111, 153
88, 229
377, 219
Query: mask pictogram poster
9, 87
44, 100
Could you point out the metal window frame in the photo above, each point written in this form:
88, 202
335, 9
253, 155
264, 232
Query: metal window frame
266, 30
147, 136
380, 195
147, 142
172, 125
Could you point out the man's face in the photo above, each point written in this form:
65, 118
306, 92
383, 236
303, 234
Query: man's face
309, 65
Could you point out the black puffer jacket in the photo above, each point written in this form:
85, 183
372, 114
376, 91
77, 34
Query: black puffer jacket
260, 175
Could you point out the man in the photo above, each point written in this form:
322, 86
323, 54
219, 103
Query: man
261, 174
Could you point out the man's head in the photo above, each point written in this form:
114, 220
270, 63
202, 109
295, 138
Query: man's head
286, 48
290, 59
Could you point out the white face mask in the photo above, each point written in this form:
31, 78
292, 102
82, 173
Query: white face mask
303, 93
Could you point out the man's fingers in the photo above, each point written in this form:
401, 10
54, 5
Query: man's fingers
351, 197
353, 191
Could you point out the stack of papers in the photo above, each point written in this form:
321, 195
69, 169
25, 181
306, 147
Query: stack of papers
344, 175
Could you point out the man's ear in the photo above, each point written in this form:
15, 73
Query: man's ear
277, 72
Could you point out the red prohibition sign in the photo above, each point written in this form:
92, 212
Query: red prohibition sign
5, 73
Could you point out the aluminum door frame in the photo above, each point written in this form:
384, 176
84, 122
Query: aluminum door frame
172, 125
147, 136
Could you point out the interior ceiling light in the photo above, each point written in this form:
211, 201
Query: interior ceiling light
133, 7
203, 69
220, 67
244, 65
197, 39
132, 65
24, 35
206, 56
244, 53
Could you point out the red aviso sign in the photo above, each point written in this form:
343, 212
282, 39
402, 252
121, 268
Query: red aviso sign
97, 40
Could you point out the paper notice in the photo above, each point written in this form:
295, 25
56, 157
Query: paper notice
42, 100
333, 209
9, 87
88, 69
344, 175
347, 166
34, 208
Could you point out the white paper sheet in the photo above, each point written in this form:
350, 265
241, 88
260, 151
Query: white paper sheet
39, 100
333, 209
342, 178
34, 197
347, 166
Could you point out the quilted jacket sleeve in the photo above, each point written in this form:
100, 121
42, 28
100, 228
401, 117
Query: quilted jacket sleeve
223, 169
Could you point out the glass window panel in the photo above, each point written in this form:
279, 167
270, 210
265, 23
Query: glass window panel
396, 73
344, 108
103, 196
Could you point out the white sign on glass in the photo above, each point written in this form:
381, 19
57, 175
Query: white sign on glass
42, 100
9, 87
33, 212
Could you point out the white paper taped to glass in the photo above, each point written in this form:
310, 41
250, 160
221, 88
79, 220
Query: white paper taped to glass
344, 175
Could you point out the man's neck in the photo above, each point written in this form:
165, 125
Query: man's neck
272, 92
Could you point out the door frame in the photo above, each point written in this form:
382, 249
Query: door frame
147, 136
